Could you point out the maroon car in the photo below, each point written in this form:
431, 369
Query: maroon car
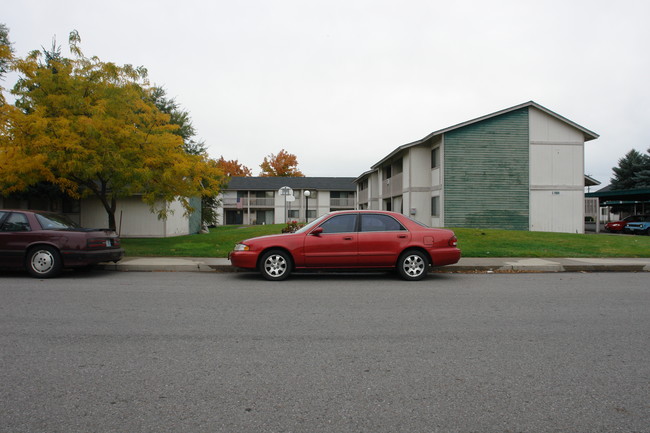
351, 240
45, 243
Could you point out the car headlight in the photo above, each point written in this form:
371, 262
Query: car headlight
242, 247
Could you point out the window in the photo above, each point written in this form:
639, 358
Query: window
398, 167
380, 223
16, 222
293, 214
340, 224
435, 157
435, 206
387, 172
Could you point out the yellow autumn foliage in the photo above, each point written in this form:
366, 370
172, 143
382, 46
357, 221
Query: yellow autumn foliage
89, 128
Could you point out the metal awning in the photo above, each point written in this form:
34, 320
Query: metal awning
618, 202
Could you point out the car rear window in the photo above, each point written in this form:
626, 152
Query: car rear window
55, 222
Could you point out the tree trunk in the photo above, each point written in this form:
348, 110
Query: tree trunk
109, 207
111, 220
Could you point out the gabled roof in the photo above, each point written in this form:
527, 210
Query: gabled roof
275, 183
588, 135
590, 181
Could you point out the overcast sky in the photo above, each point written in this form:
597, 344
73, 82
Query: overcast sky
342, 83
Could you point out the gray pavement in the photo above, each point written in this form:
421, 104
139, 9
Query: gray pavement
496, 264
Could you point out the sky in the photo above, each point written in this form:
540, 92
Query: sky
342, 83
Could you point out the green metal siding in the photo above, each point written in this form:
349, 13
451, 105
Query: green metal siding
195, 217
487, 173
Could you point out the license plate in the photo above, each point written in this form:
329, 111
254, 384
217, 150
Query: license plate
108, 243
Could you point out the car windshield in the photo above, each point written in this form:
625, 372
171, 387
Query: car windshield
312, 224
55, 222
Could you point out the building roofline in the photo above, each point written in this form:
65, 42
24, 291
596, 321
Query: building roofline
260, 183
620, 192
364, 174
588, 135
590, 181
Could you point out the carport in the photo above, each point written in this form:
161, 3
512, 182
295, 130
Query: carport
632, 201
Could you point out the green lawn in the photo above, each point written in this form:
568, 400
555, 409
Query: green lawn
472, 242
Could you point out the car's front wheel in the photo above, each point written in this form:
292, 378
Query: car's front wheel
276, 265
413, 265
44, 262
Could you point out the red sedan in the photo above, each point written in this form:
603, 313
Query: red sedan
351, 240
619, 226
45, 243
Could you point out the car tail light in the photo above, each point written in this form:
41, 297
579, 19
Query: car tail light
453, 241
102, 243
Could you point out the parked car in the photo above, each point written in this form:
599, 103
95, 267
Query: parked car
351, 240
44, 243
641, 226
619, 226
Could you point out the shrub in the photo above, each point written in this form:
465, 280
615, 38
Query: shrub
292, 226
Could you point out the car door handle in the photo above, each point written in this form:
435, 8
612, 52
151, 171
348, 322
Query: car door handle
348, 238
402, 236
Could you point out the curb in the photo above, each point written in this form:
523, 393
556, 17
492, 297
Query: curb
466, 265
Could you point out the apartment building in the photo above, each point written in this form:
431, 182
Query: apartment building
274, 200
521, 168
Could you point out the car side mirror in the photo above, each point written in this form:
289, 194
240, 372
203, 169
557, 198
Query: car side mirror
317, 231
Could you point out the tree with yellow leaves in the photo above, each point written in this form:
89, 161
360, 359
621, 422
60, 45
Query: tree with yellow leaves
91, 128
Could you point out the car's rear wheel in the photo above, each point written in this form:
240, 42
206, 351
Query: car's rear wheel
413, 265
276, 265
44, 262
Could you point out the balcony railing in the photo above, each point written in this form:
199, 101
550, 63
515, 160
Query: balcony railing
363, 196
342, 203
254, 202
245, 202
392, 186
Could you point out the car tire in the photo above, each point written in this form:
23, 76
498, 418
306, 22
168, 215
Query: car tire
413, 265
44, 262
276, 265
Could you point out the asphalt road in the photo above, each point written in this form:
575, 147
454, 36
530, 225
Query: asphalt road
207, 352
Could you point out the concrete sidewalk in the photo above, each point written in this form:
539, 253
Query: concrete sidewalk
207, 264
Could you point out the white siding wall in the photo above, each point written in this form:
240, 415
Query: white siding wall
556, 175
177, 224
137, 220
374, 202
557, 211
418, 184
280, 214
